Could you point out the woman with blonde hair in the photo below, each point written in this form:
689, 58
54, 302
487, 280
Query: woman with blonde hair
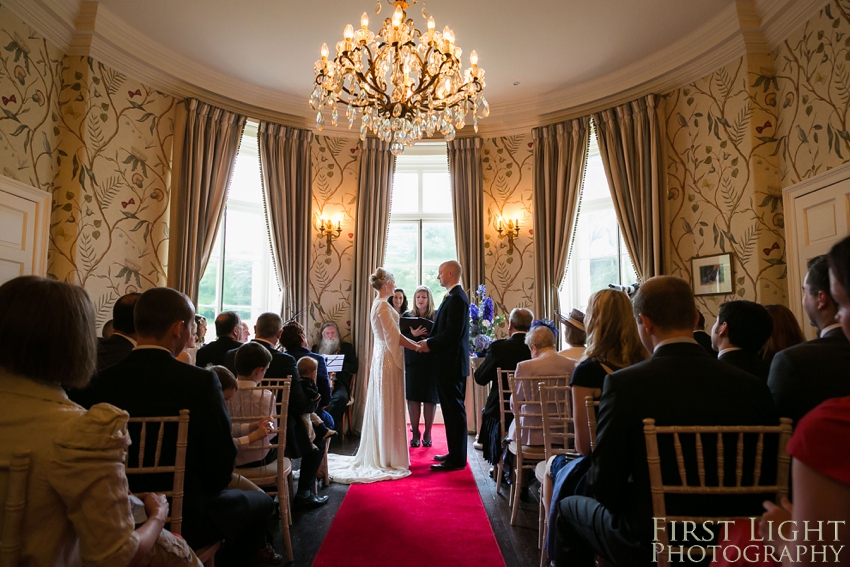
420, 385
612, 343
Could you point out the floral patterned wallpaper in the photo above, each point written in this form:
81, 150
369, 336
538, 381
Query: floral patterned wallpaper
30, 82
336, 162
101, 143
507, 168
718, 199
812, 79
739, 136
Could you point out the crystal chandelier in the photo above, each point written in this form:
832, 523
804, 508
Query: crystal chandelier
402, 83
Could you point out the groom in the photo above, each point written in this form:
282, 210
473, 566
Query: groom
449, 342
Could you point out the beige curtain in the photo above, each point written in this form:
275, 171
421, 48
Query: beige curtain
285, 170
206, 141
630, 142
560, 156
468, 207
374, 190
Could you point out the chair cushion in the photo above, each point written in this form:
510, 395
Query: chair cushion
540, 471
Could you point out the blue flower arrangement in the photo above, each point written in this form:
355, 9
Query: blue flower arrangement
482, 322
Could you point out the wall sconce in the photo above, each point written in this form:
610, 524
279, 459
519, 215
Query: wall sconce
509, 229
328, 232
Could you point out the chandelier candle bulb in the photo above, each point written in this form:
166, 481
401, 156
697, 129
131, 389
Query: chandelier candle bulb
324, 53
473, 59
364, 22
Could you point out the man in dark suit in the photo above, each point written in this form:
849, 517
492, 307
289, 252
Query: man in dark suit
150, 381
803, 376
741, 329
267, 331
331, 343
227, 330
114, 349
680, 384
449, 341
503, 354
700, 336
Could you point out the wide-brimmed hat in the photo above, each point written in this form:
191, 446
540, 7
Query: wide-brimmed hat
574, 319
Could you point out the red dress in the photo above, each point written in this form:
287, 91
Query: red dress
822, 442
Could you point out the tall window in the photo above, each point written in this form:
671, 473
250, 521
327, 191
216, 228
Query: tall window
421, 233
599, 256
240, 275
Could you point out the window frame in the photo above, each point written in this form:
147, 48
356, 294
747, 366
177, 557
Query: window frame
429, 157
268, 271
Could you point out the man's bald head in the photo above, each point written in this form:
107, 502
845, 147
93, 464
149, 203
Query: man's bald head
449, 273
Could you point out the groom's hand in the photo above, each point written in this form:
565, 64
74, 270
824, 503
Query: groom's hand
423, 347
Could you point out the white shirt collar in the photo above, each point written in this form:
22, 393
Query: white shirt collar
827, 329
675, 340
448, 289
152, 347
730, 349
122, 335
242, 384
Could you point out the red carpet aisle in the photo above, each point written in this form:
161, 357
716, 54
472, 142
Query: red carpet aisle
427, 519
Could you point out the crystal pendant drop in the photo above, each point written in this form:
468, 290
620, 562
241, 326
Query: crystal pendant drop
334, 117
320, 121
396, 148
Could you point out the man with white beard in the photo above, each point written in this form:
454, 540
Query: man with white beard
331, 343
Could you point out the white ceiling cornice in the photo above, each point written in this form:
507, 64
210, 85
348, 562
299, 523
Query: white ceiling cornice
115, 43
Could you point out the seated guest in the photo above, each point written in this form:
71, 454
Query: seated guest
107, 330
294, 340
227, 330
613, 343
700, 336
113, 350
252, 361
741, 330
786, 332
545, 361
680, 384
77, 509
575, 334
190, 351
244, 434
244, 332
805, 375
504, 354
307, 369
331, 343
151, 382
268, 332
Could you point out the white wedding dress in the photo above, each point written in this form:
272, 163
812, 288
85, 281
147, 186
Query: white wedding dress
383, 438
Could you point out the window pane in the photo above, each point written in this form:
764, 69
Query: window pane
405, 193
402, 256
206, 289
246, 185
603, 271
238, 277
438, 243
595, 182
436, 193
602, 233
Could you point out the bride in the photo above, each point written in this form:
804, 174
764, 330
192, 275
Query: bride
383, 440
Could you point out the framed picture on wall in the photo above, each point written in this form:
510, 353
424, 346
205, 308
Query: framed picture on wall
712, 274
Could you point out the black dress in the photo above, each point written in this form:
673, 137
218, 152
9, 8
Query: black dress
420, 384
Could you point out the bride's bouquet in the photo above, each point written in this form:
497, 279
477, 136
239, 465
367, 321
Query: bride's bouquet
482, 322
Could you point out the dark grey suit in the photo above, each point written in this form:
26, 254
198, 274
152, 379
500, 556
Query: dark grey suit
449, 345
214, 352
111, 351
803, 376
747, 361
681, 384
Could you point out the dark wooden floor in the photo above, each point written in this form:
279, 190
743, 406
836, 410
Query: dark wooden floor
518, 543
